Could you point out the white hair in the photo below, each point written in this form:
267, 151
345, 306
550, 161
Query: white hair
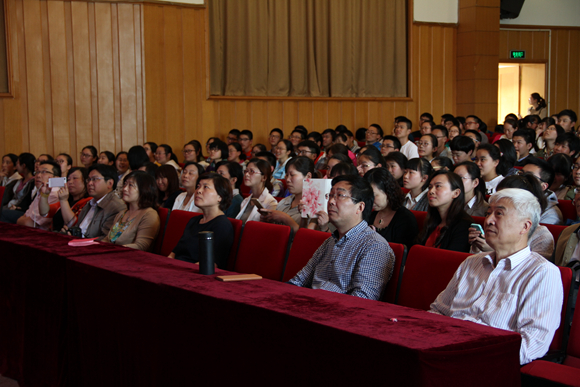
525, 203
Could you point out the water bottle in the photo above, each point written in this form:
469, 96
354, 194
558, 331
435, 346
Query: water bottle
206, 253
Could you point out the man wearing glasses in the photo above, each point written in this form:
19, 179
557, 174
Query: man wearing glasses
545, 175
32, 217
245, 140
96, 218
355, 260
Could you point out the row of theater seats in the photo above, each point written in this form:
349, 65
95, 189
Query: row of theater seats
419, 275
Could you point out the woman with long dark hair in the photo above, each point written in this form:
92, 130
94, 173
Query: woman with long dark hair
475, 204
257, 176
447, 223
390, 218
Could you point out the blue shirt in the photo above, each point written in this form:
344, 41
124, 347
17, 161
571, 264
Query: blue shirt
360, 264
378, 145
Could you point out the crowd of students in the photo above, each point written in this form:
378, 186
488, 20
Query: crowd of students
409, 170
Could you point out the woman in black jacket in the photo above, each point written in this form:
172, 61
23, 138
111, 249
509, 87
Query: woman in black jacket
447, 223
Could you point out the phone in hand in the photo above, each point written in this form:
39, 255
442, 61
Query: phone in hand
54, 182
478, 227
257, 203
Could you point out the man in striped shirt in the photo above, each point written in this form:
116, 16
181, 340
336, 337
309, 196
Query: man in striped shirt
511, 288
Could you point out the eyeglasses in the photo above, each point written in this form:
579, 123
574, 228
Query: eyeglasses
187, 151
372, 133
243, 139
340, 197
387, 146
295, 137
94, 179
251, 172
86, 155
303, 152
422, 143
45, 172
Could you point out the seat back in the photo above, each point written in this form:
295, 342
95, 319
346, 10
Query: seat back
427, 272
420, 216
479, 220
305, 243
392, 289
174, 230
263, 249
163, 217
559, 340
568, 209
556, 230
237, 225
2, 193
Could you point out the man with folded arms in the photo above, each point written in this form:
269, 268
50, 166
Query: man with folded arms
511, 288
355, 260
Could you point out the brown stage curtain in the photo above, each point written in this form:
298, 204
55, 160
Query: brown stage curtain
308, 48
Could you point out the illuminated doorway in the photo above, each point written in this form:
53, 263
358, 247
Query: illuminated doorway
517, 81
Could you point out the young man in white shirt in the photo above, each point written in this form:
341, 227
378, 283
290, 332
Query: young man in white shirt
402, 132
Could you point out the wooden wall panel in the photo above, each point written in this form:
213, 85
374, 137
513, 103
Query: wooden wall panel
77, 77
433, 86
564, 60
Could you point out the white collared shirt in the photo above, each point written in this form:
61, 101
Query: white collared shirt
90, 215
522, 293
410, 202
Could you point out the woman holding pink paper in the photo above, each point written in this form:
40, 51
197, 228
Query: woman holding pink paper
288, 211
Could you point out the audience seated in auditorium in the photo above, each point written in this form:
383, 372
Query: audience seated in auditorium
447, 223
402, 132
541, 241
246, 139
89, 156
236, 155
563, 166
16, 200
475, 136
462, 149
33, 217
426, 146
567, 119
137, 157
567, 143
283, 152
396, 163
65, 163
233, 136
71, 200
297, 136
441, 162
164, 156
442, 134
373, 135
549, 137
97, 217
390, 144
9, 175
150, 147
523, 140
218, 151
274, 138
192, 153
234, 173
167, 181
574, 180
369, 159
185, 200
453, 132
475, 204
259, 148
545, 175
567, 248
137, 226
512, 287
122, 165
106, 158
213, 195
390, 218
257, 177
355, 260
416, 180
277, 185
288, 211
488, 159
473, 122
334, 160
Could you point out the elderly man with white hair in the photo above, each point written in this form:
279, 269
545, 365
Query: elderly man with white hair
512, 287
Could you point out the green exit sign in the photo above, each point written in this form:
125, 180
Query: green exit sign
518, 54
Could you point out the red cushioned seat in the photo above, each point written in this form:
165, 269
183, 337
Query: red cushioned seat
175, 226
556, 230
305, 243
163, 216
263, 249
479, 220
427, 272
2, 193
237, 225
541, 372
392, 289
568, 209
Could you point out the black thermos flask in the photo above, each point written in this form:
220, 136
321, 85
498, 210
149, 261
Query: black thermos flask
206, 253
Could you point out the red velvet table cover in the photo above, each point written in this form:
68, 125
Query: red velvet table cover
128, 318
